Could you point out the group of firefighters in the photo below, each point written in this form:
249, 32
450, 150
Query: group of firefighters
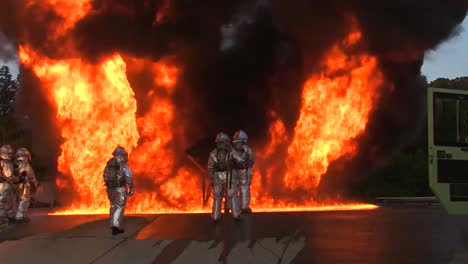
230, 170
17, 182
229, 166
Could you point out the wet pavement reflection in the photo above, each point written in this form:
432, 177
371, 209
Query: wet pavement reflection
384, 235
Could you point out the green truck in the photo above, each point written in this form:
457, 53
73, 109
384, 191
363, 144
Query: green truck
448, 147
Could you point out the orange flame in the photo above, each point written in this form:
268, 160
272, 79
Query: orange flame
277, 135
96, 110
154, 156
335, 108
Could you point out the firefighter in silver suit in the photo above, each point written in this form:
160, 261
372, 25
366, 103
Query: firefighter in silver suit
7, 199
117, 193
26, 183
242, 162
224, 185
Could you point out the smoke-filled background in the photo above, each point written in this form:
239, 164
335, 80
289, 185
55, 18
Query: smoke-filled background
240, 60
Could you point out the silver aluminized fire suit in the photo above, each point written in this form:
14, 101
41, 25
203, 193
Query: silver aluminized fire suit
118, 194
26, 181
7, 199
224, 185
243, 160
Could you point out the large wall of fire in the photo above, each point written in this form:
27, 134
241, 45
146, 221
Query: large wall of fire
324, 90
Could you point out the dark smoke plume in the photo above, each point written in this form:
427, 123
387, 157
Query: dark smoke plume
244, 58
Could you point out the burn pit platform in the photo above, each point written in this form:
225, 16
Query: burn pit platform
384, 235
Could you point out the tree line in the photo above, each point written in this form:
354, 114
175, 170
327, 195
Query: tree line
8, 88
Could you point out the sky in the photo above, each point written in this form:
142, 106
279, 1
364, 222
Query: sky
448, 60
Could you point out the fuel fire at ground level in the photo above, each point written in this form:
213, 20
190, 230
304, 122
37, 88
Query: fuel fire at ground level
317, 208
96, 110
316, 101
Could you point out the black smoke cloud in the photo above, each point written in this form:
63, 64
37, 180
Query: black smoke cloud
244, 58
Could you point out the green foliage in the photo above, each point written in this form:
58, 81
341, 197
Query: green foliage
457, 83
10, 132
405, 175
8, 88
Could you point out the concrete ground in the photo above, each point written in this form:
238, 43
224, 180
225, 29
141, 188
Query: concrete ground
403, 234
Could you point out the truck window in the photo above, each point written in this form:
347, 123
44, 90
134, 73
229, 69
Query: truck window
450, 119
